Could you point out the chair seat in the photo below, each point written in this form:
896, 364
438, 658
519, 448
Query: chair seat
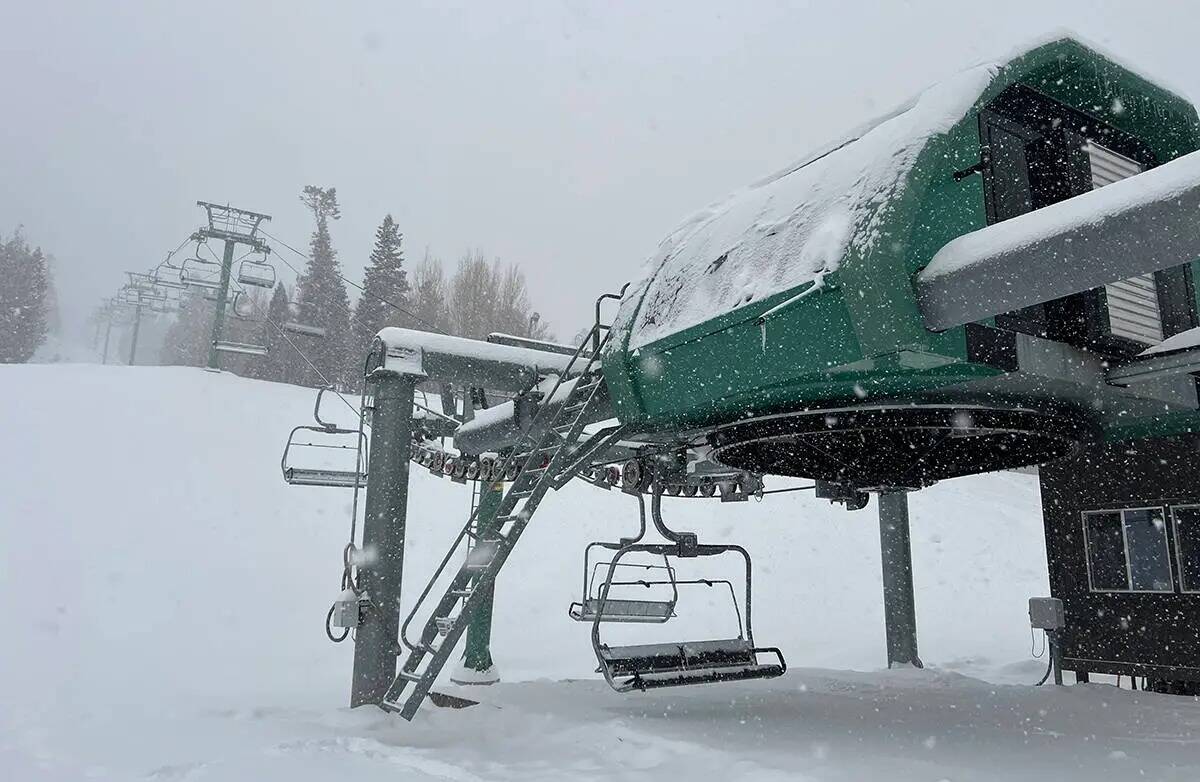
302, 476
646, 611
651, 666
653, 681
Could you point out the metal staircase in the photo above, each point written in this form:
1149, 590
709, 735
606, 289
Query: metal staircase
549, 450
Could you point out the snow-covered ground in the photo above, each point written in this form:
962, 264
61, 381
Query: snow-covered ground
165, 592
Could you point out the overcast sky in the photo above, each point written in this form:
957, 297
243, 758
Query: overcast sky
566, 136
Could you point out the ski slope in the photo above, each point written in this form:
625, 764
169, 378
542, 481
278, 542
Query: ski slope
165, 593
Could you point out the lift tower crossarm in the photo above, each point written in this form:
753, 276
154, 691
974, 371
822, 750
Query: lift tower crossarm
468, 362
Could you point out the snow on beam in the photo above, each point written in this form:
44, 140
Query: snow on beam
1138, 225
467, 362
503, 425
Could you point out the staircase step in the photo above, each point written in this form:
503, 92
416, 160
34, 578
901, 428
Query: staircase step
486, 558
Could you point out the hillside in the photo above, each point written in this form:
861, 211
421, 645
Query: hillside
166, 592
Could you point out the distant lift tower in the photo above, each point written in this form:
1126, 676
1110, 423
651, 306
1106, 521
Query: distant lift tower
232, 226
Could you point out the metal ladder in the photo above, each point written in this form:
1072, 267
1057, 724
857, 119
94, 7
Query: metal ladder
492, 536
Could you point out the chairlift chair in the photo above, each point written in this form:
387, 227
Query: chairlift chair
200, 273
304, 329
653, 666
258, 274
588, 607
336, 438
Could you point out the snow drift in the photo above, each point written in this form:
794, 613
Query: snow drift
165, 593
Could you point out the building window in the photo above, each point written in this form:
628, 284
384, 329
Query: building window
1187, 545
1127, 550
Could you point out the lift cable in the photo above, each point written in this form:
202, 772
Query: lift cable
282, 333
360, 288
365, 330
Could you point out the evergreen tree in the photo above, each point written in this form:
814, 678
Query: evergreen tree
25, 298
280, 363
187, 339
385, 280
321, 297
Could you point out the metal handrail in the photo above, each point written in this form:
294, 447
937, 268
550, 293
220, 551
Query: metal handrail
592, 335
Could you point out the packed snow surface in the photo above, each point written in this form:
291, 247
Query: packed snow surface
794, 227
165, 591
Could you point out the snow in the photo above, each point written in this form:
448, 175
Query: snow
406, 346
983, 247
165, 593
1181, 341
792, 228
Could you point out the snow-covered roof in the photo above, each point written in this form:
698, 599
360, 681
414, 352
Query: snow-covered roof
794, 227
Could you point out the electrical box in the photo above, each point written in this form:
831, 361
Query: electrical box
349, 609
1046, 613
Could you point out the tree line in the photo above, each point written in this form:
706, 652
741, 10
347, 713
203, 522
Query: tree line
28, 306
473, 299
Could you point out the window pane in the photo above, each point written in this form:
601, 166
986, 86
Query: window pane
1187, 539
1146, 539
1106, 551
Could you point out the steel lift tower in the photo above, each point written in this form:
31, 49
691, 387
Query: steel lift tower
233, 227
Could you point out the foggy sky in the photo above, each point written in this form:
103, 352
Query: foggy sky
568, 137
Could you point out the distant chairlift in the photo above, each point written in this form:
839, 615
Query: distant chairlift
651, 666
200, 273
326, 439
258, 274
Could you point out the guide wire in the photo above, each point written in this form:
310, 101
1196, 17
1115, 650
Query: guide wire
266, 318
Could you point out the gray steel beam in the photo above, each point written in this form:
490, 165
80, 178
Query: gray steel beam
498, 338
385, 516
1139, 225
467, 362
503, 425
899, 606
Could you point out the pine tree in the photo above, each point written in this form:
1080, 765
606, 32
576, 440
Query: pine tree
321, 298
280, 363
187, 340
25, 296
385, 280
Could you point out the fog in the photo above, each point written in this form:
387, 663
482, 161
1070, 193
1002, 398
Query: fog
567, 137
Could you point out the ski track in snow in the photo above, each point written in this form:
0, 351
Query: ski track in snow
165, 592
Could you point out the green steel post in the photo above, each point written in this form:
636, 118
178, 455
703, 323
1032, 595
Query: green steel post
376, 642
137, 325
214, 356
107, 335
477, 654
899, 607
